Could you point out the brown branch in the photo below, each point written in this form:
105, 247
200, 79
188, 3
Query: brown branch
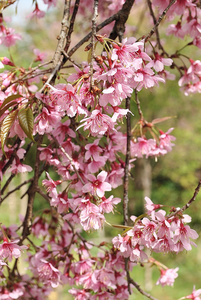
70, 31
138, 106
137, 286
88, 36
31, 194
63, 33
186, 206
69, 158
126, 168
155, 22
193, 198
45, 196
15, 189
153, 30
122, 16
95, 14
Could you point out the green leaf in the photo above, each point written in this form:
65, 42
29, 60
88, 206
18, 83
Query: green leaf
6, 126
2, 111
26, 120
9, 99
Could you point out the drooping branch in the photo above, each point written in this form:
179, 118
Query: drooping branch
186, 206
153, 30
126, 168
63, 34
15, 189
138, 106
155, 22
88, 36
95, 14
137, 286
193, 198
31, 194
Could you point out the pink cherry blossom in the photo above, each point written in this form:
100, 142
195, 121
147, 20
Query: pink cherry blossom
90, 217
195, 295
47, 273
50, 2
168, 277
97, 186
36, 13
8, 37
8, 250
98, 123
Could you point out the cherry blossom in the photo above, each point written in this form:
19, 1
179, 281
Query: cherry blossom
168, 277
8, 250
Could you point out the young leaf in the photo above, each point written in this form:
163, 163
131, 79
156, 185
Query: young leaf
6, 126
26, 120
9, 99
2, 111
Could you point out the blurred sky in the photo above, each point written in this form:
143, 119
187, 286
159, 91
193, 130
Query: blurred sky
19, 11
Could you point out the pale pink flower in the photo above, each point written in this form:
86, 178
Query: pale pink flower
50, 2
93, 150
46, 120
36, 13
80, 294
159, 62
97, 186
98, 123
142, 147
8, 250
8, 37
107, 205
150, 206
40, 56
183, 234
165, 140
47, 273
177, 30
66, 96
90, 217
168, 277
51, 185
126, 50
60, 202
195, 295
123, 244
82, 266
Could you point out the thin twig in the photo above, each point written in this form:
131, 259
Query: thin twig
126, 168
186, 206
193, 198
155, 22
88, 36
58, 55
138, 106
70, 30
137, 286
69, 158
95, 14
15, 189
153, 30
45, 196
31, 194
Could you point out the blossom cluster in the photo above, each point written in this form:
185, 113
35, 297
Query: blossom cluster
158, 232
